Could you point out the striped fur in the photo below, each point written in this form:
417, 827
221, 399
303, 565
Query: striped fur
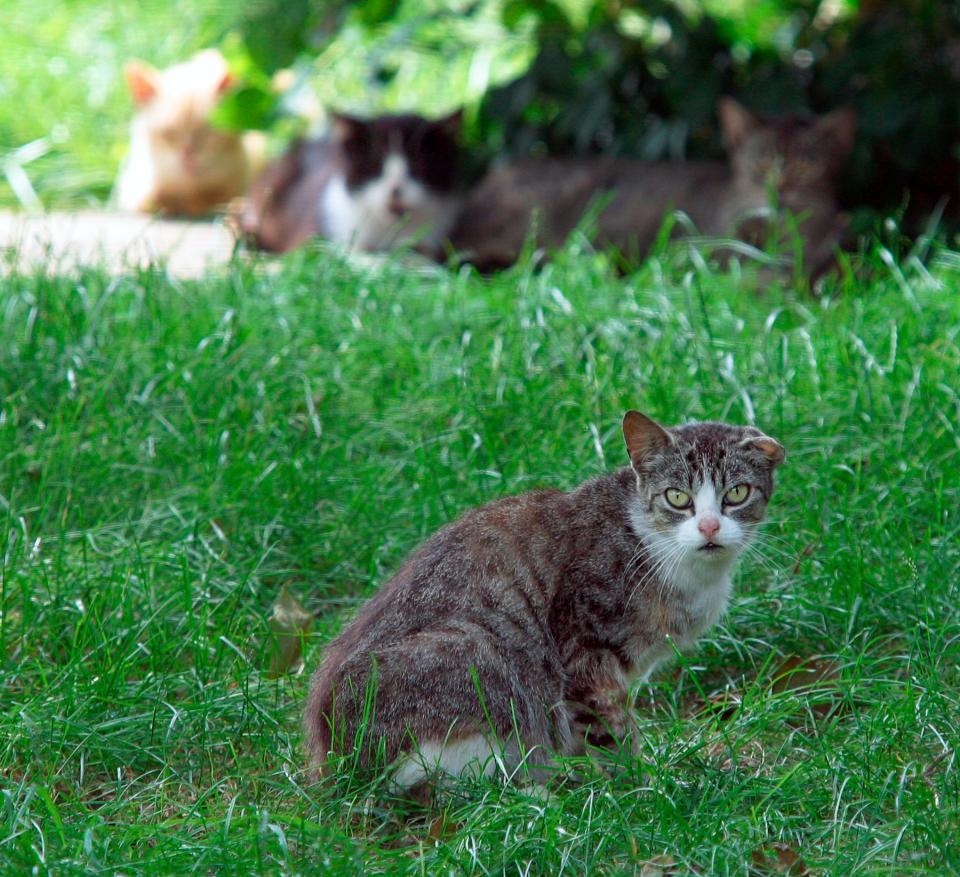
517, 630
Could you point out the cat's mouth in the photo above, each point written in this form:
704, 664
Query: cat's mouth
710, 547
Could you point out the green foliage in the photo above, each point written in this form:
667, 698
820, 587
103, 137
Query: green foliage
644, 80
622, 82
176, 454
561, 76
646, 83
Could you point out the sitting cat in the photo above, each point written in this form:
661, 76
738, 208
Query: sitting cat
178, 162
516, 631
372, 185
797, 159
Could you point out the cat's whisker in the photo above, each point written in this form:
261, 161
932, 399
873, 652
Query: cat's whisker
642, 550
658, 562
670, 559
755, 553
751, 552
773, 537
760, 542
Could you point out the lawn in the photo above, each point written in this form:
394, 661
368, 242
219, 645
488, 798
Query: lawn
176, 453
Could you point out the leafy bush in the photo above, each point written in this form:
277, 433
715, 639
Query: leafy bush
606, 76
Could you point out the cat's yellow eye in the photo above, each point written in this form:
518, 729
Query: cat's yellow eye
677, 498
736, 495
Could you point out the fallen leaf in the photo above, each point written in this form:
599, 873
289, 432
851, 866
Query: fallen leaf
659, 866
798, 674
814, 680
777, 858
289, 622
442, 829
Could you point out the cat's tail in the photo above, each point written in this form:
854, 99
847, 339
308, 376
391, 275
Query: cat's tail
319, 718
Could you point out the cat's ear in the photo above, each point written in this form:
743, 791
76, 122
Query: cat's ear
142, 81
643, 436
736, 121
839, 128
344, 127
450, 125
770, 448
224, 83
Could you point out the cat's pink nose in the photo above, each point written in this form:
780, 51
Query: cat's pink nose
709, 527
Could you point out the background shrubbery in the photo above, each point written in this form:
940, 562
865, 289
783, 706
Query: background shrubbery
554, 76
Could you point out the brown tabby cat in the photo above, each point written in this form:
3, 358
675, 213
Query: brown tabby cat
798, 159
516, 631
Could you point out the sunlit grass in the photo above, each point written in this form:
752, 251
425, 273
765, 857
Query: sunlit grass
172, 453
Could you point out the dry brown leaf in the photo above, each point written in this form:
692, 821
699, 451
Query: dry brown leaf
814, 679
798, 674
443, 828
777, 858
659, 866
289, 623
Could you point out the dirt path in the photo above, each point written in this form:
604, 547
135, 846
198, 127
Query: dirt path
61, 242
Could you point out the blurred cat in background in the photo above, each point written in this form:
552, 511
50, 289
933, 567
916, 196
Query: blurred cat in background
178, 162
371, 185
775, 164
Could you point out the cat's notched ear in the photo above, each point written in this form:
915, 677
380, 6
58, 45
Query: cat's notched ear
141, 81
643, 436
770, 448
736, 121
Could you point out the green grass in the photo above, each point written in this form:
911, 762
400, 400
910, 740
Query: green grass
61, 82
172, 454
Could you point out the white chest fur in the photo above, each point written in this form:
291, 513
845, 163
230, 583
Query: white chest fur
699, 605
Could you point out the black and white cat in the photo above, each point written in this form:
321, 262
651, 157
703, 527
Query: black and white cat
371, 185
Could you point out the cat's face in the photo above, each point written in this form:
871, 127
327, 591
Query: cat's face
174, 106
400, 173
702, 489
789, 154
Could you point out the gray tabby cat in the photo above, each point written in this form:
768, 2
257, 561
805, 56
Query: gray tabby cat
517, 631
796, 159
